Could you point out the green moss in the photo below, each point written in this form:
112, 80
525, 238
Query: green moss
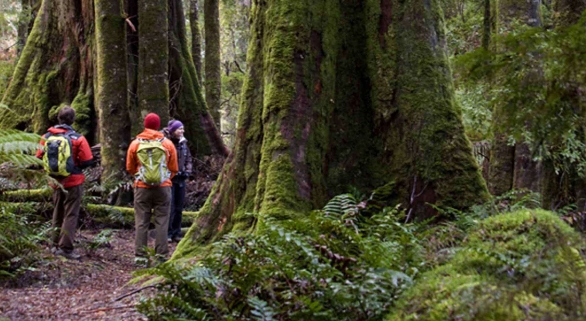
415, 111
524, 265
24, 195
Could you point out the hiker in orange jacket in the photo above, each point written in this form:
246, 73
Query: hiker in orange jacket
155, 197
67, 197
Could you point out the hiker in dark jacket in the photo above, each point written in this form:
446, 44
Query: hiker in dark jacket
174, 132
67, 197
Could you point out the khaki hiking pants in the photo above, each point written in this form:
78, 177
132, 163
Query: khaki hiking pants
67, 204
152, 202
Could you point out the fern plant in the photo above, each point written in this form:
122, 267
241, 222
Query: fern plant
17, 157
22, 231
332, 263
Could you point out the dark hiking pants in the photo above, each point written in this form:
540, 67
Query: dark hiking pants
149, 202
178, 198
65, 215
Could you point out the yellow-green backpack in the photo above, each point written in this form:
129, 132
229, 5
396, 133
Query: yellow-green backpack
153, 162
58, 154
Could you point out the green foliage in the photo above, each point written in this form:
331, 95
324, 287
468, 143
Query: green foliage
333, 263
20, 239
536, 76
524, 265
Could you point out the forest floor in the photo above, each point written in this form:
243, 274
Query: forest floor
93, 288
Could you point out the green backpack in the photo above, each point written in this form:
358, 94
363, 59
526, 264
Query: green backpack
153, 160
58, 154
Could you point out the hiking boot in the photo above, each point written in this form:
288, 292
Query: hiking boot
71, 255
177, 238
169, 239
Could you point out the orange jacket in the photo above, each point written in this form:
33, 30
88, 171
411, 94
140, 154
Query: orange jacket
132, 163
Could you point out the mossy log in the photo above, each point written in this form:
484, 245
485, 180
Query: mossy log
339, 95
102, 214
512, 267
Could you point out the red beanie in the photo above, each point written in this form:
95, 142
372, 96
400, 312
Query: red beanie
152, 121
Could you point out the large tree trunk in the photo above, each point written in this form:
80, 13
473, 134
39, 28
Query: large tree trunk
213, 68
339, 94
195, 37
111, 88
57, 67
153, 58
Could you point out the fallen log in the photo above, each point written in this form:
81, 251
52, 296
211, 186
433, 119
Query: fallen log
102, 214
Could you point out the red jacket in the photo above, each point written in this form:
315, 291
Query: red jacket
132, 163
82, 157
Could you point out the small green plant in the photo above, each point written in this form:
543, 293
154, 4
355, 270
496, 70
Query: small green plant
103, 239
20, 240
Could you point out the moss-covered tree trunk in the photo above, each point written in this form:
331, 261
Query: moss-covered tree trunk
212, 62
111, 87
55, 68
153, 58
195, 37
340, 94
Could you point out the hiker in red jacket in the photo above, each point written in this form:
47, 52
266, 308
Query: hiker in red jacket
67, 170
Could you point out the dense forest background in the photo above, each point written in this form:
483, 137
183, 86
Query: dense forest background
363, 160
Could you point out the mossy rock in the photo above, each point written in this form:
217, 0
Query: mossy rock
524, 265
445, 294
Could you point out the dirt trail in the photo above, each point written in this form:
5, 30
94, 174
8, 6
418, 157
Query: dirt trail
89, 289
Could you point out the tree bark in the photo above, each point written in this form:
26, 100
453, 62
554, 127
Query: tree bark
489, 23
512, 167
187, 103
153, 60
195, 37
111, 88
213, 68
339, 93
